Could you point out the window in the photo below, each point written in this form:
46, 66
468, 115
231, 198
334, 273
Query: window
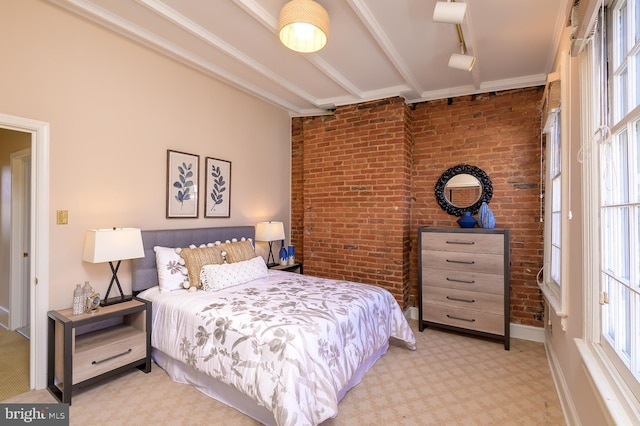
620, 199
556, 204
611, 176
552, 277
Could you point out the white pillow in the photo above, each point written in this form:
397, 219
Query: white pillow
217, 277
169, 268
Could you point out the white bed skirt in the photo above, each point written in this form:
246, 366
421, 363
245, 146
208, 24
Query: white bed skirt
182, 373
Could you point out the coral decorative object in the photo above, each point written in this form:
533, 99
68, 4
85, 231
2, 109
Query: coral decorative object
467, 220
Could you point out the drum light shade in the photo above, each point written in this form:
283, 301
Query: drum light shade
462, 62
303, 26
449, 12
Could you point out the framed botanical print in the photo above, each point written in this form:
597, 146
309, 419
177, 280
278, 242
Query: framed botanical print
217, 188
183, 170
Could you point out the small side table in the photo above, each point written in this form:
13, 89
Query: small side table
91, 346
296, 267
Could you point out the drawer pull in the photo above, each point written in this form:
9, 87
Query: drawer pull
461, 319
468, 243
457, 299
461, 281
466, 262
128, 351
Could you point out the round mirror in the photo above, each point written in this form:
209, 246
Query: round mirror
463, 188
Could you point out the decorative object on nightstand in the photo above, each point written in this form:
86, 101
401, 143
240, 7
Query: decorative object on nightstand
87, 291
79, 301
270, 232
467, 220
110, 245
283, 254
291, 259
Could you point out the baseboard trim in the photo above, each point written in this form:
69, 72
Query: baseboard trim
4, 317
527, 332
562, 389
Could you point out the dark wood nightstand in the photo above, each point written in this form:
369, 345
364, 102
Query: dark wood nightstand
91, 346
296, 267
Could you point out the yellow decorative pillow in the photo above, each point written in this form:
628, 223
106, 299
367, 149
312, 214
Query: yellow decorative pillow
238, 251
196, 257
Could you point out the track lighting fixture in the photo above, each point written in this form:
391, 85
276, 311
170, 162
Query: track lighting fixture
450, 12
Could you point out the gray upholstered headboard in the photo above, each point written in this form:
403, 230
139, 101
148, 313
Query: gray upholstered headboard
144, 273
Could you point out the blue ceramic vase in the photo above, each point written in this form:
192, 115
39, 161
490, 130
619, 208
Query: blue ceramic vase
486, 219
467, 220
283, 254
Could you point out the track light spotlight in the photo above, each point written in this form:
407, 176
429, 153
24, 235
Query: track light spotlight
448, 12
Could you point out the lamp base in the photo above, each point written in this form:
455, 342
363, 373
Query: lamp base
115, 300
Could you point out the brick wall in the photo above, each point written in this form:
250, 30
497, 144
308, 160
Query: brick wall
368, 176
355, 186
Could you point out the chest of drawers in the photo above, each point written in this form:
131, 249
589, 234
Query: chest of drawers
463, 280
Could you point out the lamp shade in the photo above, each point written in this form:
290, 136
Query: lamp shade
112, 244
462, 62
303, 26
269, 231
448, 12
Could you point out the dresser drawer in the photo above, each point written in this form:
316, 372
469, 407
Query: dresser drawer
103, 351
468, 262
464, 242
462, 280
469, 319
485, 302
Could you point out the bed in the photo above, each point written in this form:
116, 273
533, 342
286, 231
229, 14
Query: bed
282, 348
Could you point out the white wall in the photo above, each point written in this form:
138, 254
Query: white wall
115, 108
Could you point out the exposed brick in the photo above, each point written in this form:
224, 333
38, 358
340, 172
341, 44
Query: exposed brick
363, 183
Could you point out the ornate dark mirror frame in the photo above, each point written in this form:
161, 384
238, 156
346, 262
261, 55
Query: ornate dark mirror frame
483, 178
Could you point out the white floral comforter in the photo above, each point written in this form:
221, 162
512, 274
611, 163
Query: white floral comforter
288, 341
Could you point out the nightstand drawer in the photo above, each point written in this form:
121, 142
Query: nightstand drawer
464, 318
103, 351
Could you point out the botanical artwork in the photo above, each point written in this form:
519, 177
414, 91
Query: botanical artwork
218, 188
182, 184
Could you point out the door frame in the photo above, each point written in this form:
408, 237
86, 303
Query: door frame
19, 208
39, 260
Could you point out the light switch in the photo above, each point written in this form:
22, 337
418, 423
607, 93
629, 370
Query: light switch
62, 217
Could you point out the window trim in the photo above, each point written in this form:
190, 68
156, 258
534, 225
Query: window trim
557, 295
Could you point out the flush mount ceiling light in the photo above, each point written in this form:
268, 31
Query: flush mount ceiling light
303, 26
450, 12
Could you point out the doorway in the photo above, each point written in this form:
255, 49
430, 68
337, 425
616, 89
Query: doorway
37, 292
20, 225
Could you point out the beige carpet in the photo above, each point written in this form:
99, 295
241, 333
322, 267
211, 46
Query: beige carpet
450, 380
14, 364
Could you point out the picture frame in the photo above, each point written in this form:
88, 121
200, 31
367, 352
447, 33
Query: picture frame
183, 171
217, 201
